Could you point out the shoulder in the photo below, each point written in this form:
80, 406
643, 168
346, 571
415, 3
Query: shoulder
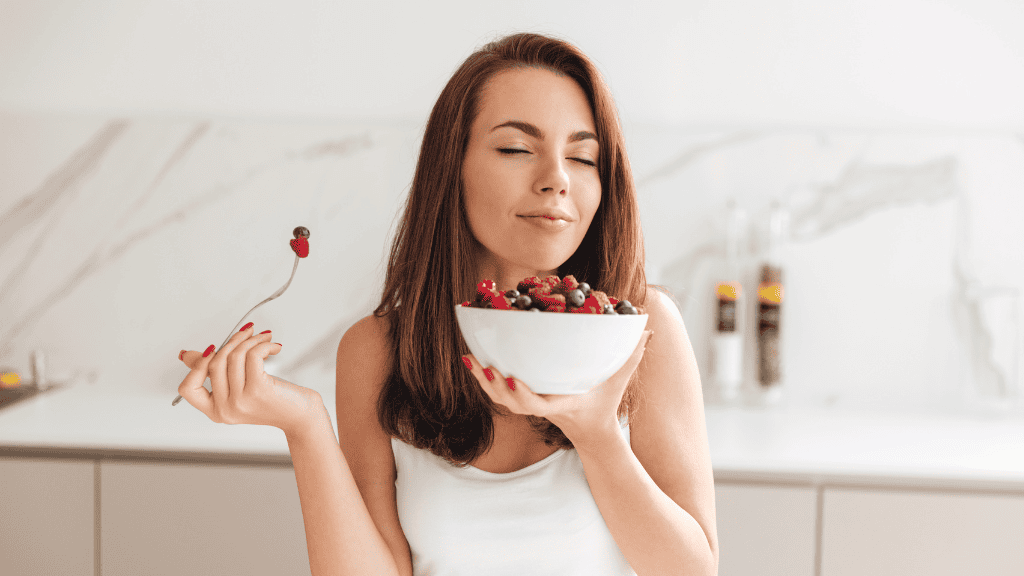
363, 358
661, 308
669, 360
366, 339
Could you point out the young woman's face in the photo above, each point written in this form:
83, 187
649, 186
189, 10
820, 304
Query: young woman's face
529, 176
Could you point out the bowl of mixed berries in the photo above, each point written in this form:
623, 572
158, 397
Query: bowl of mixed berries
555, 334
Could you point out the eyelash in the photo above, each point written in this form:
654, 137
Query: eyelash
510, 151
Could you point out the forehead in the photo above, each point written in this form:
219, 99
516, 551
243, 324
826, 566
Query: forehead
534, 94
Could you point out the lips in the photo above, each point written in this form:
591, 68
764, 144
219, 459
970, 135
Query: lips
549, 213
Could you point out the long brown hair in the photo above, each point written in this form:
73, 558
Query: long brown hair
429, 399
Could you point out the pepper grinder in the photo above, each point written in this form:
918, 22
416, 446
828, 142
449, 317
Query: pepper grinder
39, 370
769, 309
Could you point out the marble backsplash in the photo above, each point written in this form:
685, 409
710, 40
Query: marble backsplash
124, 240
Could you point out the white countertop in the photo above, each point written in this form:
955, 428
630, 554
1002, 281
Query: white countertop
778, 445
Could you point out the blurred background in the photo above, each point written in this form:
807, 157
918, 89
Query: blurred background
156, 155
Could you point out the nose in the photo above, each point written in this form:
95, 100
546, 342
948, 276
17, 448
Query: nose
553, 177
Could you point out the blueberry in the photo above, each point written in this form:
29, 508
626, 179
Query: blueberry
301, 231
608, 309
523, 302
576, 298
585, 288
622, 304
534, 309
627, 310
512, 294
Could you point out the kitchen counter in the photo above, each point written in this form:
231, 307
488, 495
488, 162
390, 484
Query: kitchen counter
778, 445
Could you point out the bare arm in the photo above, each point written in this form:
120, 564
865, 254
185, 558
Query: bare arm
655, 534
340, 534
656, 492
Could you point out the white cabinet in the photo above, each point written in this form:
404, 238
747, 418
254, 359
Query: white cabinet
47, 517
905, 533
765, 530
200, 519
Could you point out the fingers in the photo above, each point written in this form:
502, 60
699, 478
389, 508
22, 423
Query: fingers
486, 376
219, 367
192, 389
496, 385
257, 354
239, 362
233, 357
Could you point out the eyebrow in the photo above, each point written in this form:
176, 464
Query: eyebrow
536, 132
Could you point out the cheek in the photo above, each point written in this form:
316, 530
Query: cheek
481, 208
590, 202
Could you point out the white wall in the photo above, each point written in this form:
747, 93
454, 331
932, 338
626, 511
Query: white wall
892, 130
693, 62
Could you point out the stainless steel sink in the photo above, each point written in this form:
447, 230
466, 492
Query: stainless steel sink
29, 388
10, 396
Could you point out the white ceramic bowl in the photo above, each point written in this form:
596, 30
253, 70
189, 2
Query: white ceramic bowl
552, 352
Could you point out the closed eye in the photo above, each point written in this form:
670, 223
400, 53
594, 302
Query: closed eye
511, 151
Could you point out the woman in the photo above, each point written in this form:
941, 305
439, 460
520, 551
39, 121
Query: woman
444, 467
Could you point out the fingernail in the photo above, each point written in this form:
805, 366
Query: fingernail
468, 364
246, 327
511, 384
488, 373
209, 350
180, 354
265, 331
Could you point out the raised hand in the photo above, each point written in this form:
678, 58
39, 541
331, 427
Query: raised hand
574, 414
243, 392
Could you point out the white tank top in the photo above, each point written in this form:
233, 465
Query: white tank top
468, 522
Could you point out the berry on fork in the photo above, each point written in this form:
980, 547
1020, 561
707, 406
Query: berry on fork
300, 245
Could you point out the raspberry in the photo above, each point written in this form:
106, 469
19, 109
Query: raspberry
488, 296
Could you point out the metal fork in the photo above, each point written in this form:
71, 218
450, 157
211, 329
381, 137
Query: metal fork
272, 296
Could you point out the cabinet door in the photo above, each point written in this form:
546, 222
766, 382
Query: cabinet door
765, 530
882, 532
200, 519
47, 517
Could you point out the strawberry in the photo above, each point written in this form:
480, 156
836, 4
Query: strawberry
551, 303
300, 246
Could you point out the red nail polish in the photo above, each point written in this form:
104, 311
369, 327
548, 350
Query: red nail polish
511, 384
246, 327
180, 354
488, 373
468, 364
209, 350
264, 332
